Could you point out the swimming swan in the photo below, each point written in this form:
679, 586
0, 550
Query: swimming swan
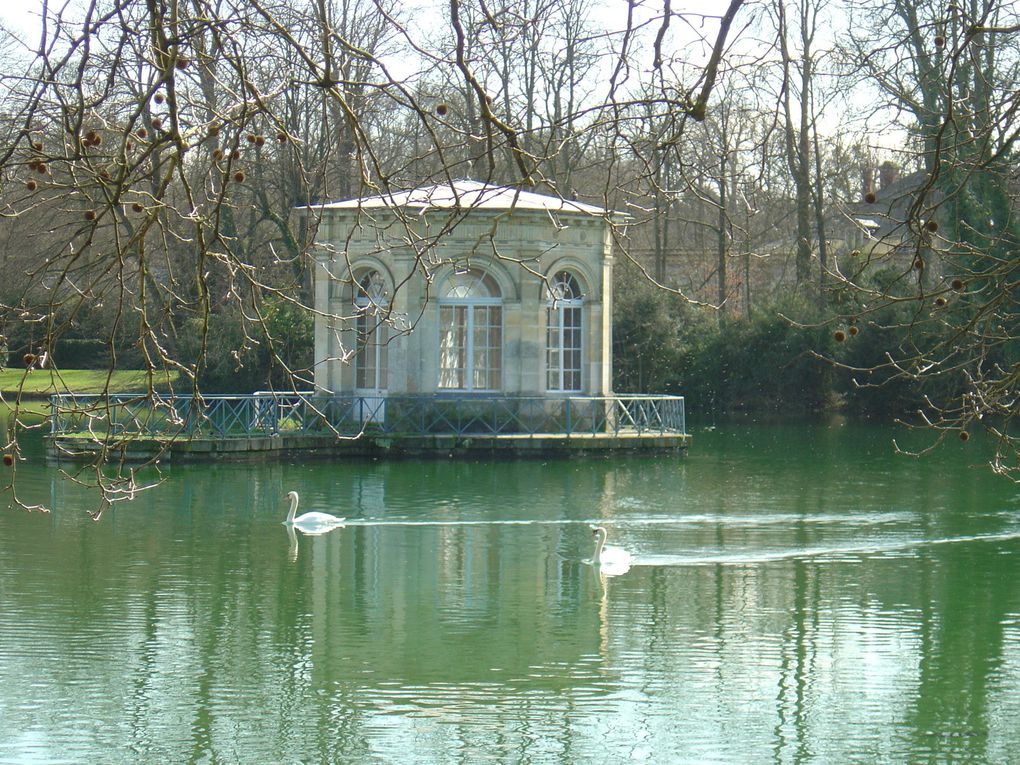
608, 559
310, 523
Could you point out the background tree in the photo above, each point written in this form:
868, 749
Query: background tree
952, 67
150, 154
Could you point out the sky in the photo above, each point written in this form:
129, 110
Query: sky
22, 18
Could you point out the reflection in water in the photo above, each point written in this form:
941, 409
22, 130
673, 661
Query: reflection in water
780, 607
293, 534
293, 548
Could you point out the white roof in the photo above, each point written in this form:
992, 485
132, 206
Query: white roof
465, 195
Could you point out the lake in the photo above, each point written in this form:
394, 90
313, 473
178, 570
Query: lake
800, 593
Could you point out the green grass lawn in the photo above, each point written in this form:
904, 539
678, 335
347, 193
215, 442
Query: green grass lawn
42, 382
34, 388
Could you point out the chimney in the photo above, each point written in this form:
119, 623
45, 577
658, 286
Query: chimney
888, 174
867, 182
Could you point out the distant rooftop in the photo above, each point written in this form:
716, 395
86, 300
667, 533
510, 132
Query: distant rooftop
464, 195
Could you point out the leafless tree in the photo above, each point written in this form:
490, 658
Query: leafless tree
950, 70
154, 149
151, 153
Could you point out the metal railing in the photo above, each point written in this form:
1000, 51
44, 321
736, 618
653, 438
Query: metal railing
270, 414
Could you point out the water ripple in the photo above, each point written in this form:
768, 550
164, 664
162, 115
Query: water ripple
828, 554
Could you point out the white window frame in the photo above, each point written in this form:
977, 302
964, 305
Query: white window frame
561, 305
371, 301
471, 307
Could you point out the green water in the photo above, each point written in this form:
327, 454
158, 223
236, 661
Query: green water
799, 594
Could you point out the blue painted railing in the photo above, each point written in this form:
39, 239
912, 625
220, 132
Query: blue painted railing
269, 414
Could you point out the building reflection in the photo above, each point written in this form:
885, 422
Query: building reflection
186, 617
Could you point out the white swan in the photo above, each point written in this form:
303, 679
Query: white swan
608, 559
310, 523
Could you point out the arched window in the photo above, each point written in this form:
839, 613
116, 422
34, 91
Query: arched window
371, 301
563, 337
470, 332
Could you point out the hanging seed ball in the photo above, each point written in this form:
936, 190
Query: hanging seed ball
159, 98
260, 140
138, 207
442, 109
29, 359
853, 330
939, 41
932, 225
157, 123
839, 336
37, 145
281, 137
964, 435
90, 215
235, 154
251, 137
870, 197
182, 62
239, 176
31, 185
919, 264
940, 302
957, 284
41, 168
217, 154
8, 459
141, 132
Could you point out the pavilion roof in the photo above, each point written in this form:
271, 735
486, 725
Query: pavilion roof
464, 195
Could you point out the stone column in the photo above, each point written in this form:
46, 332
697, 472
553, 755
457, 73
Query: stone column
320, 301
605, 383
533, 243
532, 336
402, 355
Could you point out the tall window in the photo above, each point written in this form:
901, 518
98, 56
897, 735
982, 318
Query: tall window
470, 332
563, 337
370, 303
